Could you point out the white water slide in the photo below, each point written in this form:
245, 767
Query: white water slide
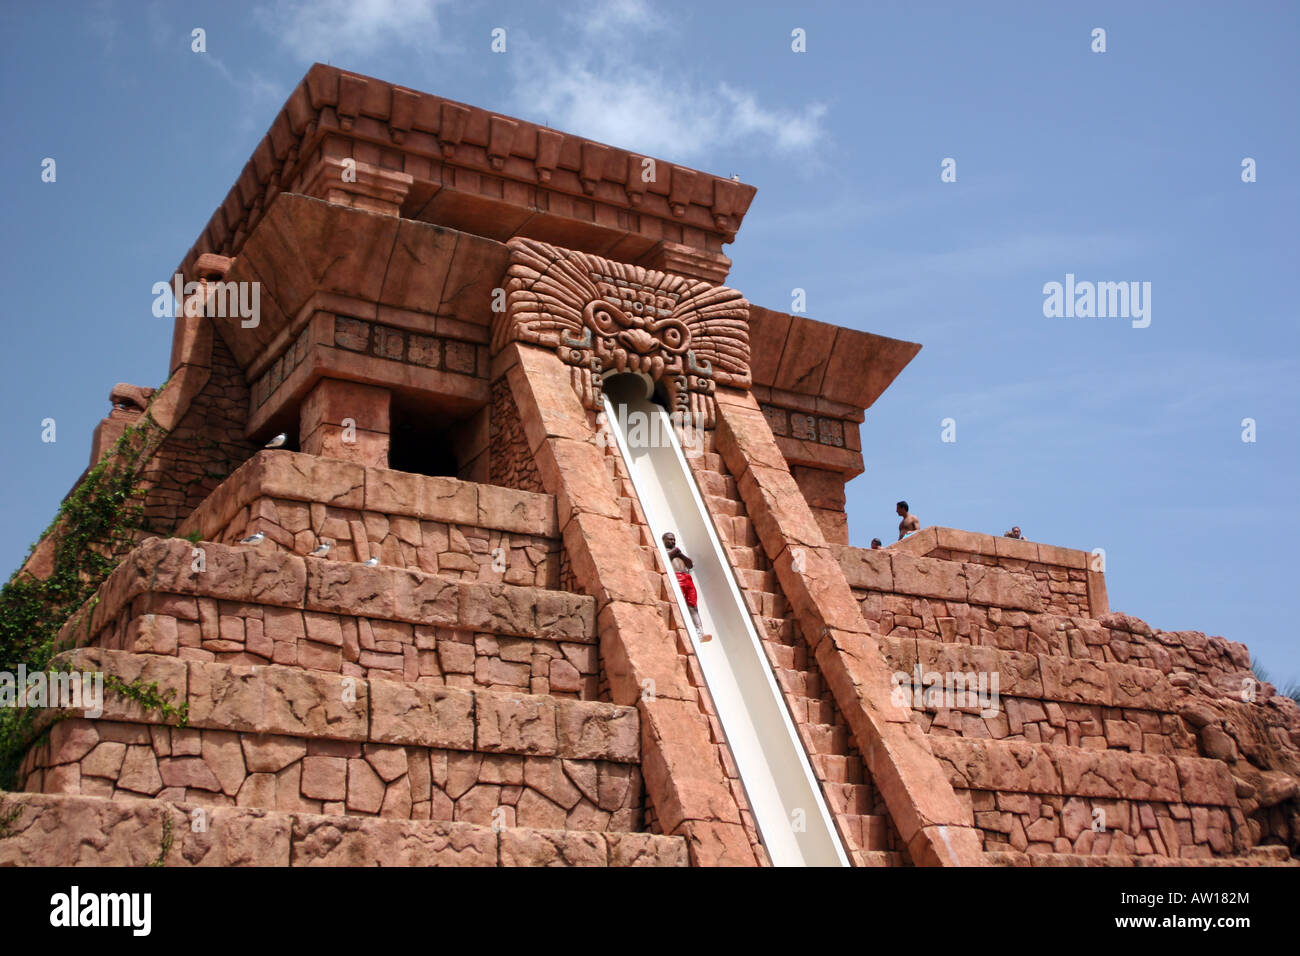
792, 818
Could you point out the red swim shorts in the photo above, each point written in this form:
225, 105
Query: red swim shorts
688, 587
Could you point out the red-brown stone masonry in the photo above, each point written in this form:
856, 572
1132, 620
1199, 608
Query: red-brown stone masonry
218, 768
462, 551
202, 450
1063, 590
237, 632
510, 462
1091, 691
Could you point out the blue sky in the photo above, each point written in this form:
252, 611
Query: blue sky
1115, 166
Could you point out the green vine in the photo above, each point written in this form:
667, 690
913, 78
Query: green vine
7, 818
167, 839
147, 695
96, 525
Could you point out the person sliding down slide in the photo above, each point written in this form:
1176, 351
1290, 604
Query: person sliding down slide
682, 565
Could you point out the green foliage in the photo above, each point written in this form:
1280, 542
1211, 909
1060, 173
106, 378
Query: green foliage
167, 839
7, 818
96, 525
148, 696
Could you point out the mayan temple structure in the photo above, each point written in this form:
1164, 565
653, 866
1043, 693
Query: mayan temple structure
436, 623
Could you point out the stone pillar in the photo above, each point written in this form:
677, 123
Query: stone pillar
347, 420
824, 492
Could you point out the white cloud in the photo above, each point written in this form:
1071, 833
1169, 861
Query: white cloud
320, 29
258, 94
596, 89
612, 16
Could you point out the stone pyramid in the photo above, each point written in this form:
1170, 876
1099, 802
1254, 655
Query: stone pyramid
487, 666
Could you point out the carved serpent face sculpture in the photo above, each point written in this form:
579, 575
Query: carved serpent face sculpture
603, 316
640, 338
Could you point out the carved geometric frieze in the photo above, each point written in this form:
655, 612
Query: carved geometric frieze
435, 352
603, 316
822, 429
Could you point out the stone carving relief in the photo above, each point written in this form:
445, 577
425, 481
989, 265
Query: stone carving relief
603, 316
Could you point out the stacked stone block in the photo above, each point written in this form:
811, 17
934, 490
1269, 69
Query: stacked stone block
1110, 739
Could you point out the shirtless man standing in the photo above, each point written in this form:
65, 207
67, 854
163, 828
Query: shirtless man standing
910, 523
682, 565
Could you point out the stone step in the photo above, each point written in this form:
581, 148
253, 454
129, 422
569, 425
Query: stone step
765, 604
1046, 798
512, 639
823, 738
735, 531
93, 831
292, 702
1040, 677
849, 797
406, 520
754, 580
1050, 769
780, 630
714, 484
258, 607
282, 739
798, 682
722, 506
864, 831
277, 772
823, 711
751, 555
833, 768
780, 655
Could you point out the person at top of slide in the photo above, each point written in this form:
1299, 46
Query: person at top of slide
682, 565
910, 524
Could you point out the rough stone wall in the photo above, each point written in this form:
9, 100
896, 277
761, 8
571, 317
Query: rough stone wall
306, 691
206, 445
219, 768
64, 830
457, 529
511, 656
511, 463
1097, 719
1063, 590
1067, 580
464, 552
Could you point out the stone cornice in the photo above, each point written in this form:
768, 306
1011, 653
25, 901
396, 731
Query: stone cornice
460, 165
